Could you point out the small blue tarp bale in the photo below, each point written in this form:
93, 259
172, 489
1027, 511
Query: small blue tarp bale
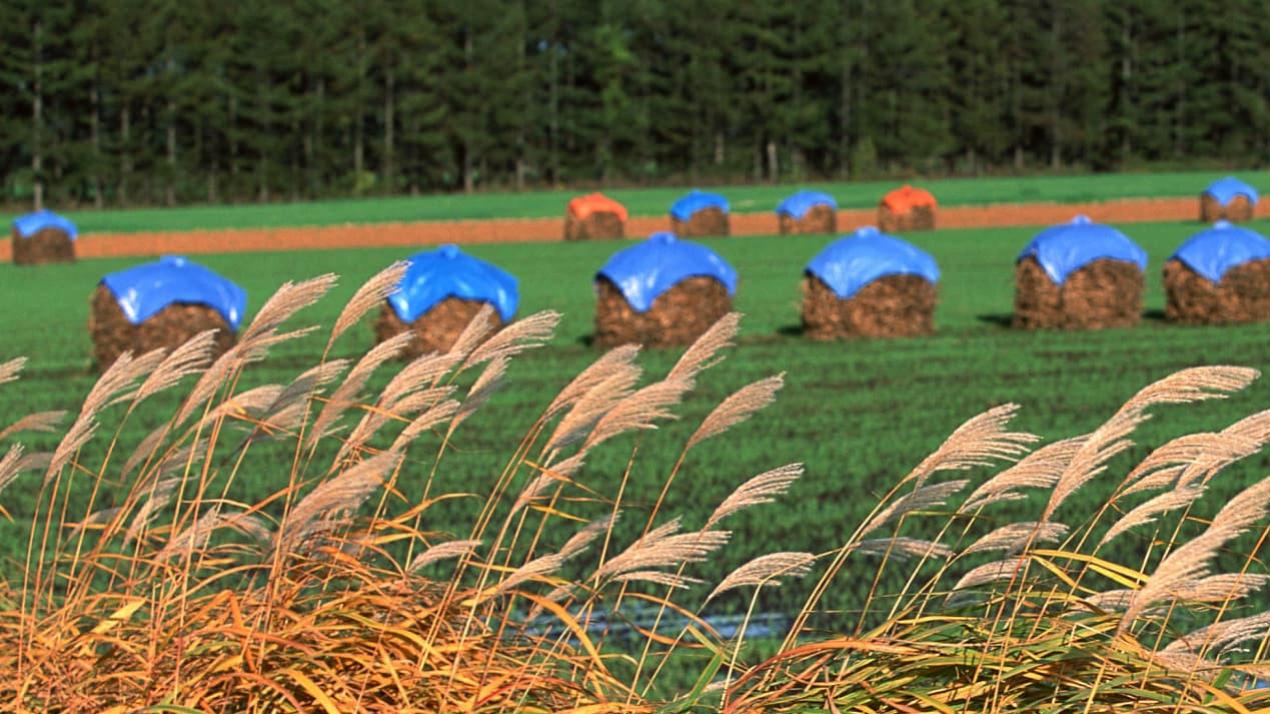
692, 202
645, 270
1063, 249
143, 290
797, 205
1225, 190
853, 261
447, 272
1212, 252
32, 223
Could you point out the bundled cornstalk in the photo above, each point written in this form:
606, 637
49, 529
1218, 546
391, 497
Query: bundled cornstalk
677, 317
706, 222
435, 330
113, 334
891, 306
1104, 293
47, 245
817, 220
1239, 209
1241, 296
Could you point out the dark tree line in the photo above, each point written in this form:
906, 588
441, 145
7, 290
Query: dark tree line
113, 102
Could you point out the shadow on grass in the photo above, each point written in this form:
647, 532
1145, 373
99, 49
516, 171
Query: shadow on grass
999, 319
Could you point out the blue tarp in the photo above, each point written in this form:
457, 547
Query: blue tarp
143, 290
646, 270
1225, 190
1212, 252
1063, 249
695, 201
33, 223
447, 272
855, 260
797, 205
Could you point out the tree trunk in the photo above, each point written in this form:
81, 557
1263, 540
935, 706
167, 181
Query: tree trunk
98, 199
469, 181
37, 121
125, 162
170, 188
359, 147
773, 161
389, 170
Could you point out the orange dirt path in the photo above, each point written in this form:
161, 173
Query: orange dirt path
97, 245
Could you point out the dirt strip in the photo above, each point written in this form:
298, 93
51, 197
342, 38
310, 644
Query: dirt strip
99, 245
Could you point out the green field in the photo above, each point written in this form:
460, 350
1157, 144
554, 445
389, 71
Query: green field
642, 202
858, 414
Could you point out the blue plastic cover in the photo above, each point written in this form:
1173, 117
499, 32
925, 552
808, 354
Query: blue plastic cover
33, 223
1225, 190
1063, 249
1213, 251
855, 260
694, 201
646, 270
797, 205
447, 272
145, 289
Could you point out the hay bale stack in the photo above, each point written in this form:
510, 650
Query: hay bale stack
1079, 276
441, 292
43, 237
661, 293
594, 217
808, 212
868, 285
1228, 199
907, 209
699, 214
1219, 276
162, 304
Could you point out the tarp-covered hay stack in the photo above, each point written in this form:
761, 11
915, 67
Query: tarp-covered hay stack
1227, 199
43, 237
869, 284
1219, 276
441, 292
1079, 276
700, 214
907, 209
594, 217
661, 292
808, 212
162, 304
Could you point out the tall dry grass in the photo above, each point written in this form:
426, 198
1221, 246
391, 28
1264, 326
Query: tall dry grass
335, 593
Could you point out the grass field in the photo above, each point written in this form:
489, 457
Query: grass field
858, 414
641, 202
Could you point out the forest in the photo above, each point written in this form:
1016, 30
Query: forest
126, 102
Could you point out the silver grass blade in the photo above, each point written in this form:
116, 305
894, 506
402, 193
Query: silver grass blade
37, 422
737, 408
159, 498
1039, 469
581, 540
321, 509
371, 293
78, 435
1146, 512
765, 570
1016, 536
590, 407
442, 551
704, 352
995, 571
346, 395
193, 538
903, 548
525, 334
474, 334
188, 359
10, 466
922, 498
981, 441
556, 473
657, 577
536, 568
667, 551
421, 374
641, 410
615, 360
759, 490
482, 390
1222, 635
289, 299
434, 417
10, 370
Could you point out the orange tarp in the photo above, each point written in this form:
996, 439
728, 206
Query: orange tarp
904, 198
583, 206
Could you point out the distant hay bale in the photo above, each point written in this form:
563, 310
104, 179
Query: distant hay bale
677, 317
817, 220
1105, 293
47, 245
706, 222
916, 218
113, 334
599, 225
435, 330
891, 306
1242, 295
1239, 209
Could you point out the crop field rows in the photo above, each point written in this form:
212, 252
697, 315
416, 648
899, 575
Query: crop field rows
858, 414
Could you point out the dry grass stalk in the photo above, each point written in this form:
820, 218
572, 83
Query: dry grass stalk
443, 551
437, 415
1016, 536
159, 498
9, 465
12, 369
903, 548
525, 334
641, 410
1146, 512
667, 551
759, 490
1222, 635
38, 422
921, 498
286, 301
474, 334
560, 472
347, 394
991, 572
371, 294
981, 441
78, 435
1162, 467
615, 360
482, 389
421, 373
765, 570
537, 568
188, 359
1221, 588
590, 407
738, 407
657, 577
1039, 469
1190, 561
581, 540
318, 511
193, 538
701, 355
